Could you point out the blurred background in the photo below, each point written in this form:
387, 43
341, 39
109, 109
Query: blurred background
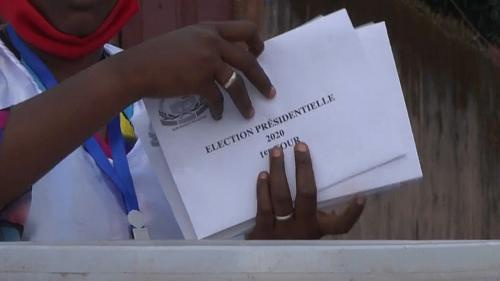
448, 62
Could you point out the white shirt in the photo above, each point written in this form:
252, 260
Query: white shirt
75, 201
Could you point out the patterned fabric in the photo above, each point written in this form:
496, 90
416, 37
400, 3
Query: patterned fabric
127, 132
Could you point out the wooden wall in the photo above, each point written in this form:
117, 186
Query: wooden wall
160, 16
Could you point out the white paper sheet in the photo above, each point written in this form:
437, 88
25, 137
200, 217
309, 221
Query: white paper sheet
378, 49
145, 132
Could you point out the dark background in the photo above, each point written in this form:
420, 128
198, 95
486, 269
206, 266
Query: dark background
484, 15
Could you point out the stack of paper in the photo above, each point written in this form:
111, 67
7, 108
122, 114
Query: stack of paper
338, 91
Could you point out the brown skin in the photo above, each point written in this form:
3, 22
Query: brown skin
274, 199
184, 62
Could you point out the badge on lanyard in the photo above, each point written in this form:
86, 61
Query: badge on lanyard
119, 171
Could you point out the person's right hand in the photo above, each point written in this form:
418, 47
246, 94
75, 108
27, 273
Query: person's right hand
190, 60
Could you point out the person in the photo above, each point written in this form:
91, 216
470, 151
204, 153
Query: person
68, 105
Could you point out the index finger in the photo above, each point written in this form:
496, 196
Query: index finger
241, 31
244, 61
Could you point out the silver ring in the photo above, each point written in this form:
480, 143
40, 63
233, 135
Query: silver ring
284, 218
231, 80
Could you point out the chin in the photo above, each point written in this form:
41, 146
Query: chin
80, 25
75, 17
84, 4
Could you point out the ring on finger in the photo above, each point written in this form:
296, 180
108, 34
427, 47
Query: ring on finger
284, 218
231, 80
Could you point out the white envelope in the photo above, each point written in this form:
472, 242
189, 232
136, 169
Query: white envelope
377, 47
347, 136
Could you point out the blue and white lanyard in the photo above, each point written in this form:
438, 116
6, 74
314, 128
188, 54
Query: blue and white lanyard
119, 172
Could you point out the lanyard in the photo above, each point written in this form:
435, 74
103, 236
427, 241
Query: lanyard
119, 171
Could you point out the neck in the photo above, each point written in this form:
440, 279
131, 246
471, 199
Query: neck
63, 69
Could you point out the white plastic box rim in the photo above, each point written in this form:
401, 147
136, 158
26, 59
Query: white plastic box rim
249, 260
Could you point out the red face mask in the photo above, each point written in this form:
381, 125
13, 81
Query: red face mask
37, 31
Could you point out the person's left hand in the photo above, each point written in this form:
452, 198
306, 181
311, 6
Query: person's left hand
277, 218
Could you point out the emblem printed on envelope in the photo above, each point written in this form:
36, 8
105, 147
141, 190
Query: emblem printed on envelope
153, 138
181, 111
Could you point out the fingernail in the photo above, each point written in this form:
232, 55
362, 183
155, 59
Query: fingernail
216, 116
360, 200
276, 152
251, 113
263, 175
301, 147
272, 93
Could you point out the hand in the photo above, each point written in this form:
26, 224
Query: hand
190, 60
274, 203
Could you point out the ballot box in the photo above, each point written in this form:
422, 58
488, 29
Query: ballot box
241, 260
